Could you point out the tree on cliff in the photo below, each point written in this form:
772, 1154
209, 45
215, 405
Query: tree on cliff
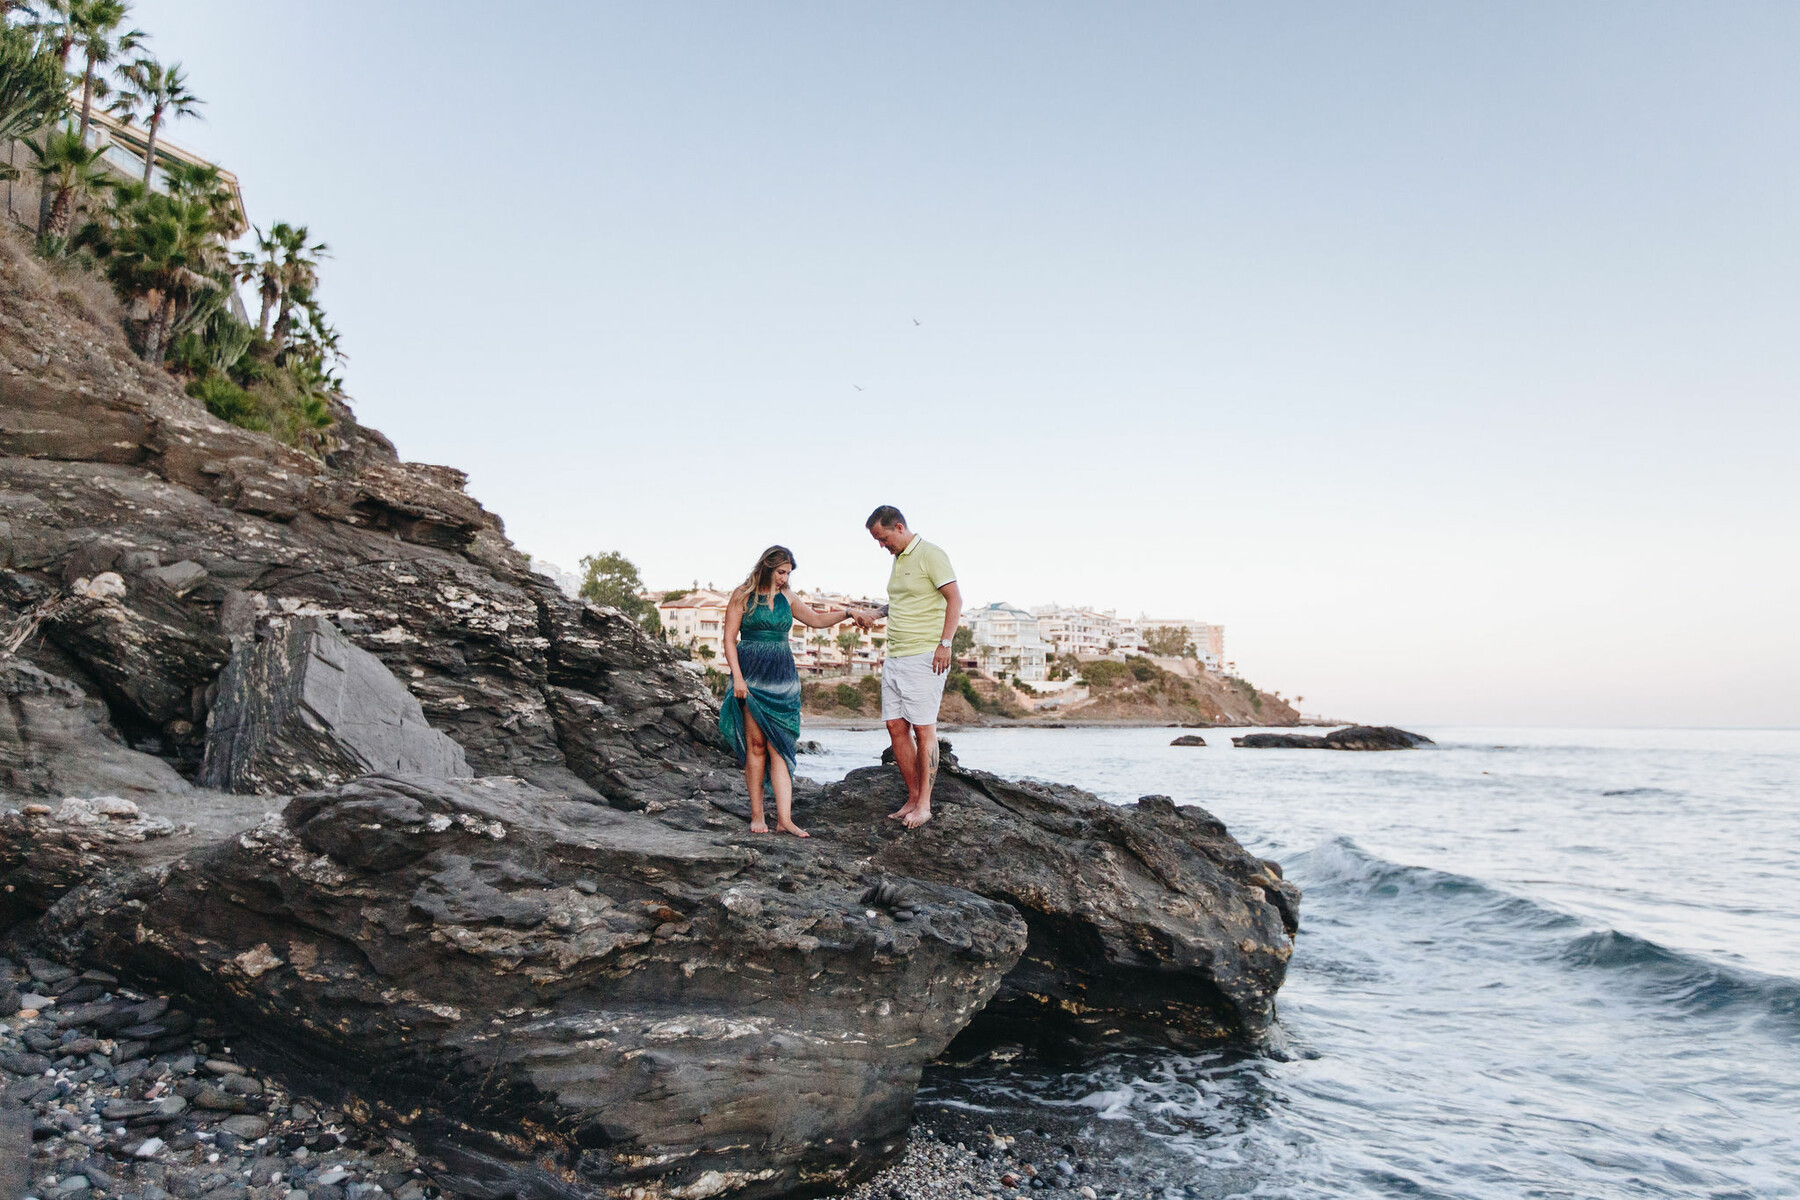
1170, 641
95, 25
611, 579
160, 93
69, 170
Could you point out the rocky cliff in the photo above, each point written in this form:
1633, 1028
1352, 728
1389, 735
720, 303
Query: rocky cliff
305, 741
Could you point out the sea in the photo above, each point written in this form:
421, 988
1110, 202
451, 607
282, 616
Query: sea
1531, 963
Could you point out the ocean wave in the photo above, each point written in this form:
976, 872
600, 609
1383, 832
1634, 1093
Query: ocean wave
1689, 982
1344, 869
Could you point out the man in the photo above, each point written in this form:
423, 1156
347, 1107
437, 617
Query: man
922, 610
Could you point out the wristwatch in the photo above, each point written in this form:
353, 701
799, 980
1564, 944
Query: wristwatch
944, 642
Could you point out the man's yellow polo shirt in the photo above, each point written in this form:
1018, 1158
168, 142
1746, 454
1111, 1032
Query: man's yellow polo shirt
915, 606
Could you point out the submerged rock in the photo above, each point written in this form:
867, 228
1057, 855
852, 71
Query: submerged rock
719, 1013
304, 707
1189, 739
1356, 737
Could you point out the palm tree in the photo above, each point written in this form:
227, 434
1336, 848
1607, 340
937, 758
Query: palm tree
58, 21
161, 93
206, 183
94, 22
71, 171
165, 251
848, 641
286, 269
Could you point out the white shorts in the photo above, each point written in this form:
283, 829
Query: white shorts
910, 690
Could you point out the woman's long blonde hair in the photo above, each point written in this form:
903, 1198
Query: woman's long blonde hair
761, 580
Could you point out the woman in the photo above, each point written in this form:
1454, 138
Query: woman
763, 711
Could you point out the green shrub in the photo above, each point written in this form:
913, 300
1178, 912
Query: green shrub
871, 686
965, 687
848, 697
1142, 669
228, 402
1103, 674
718, 681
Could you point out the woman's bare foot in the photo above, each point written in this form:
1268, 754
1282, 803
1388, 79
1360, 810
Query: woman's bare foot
790, 827
904, 811
918, 816
759, 826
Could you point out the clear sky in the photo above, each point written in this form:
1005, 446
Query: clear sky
1448, 354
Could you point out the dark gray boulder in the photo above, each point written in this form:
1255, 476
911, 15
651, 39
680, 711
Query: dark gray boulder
1150, 925
1189, 739
1355, 737
56, 741
559, 998
304, 706
1375, 737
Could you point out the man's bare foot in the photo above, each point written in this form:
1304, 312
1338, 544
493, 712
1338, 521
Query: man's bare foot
918, 817
792, 828
759, 826
904, 811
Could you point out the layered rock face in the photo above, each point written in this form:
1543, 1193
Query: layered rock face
547, 947
304, 707
581, 998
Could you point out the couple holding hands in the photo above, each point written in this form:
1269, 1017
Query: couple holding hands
760, 720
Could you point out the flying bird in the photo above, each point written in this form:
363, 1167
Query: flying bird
916, 321
859, 387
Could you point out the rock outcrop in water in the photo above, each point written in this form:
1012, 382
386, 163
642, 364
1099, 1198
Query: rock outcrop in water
1355, 737
574, 973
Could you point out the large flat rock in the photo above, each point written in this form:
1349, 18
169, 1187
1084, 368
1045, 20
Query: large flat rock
560, 998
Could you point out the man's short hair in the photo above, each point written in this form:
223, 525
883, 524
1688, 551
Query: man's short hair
887, 516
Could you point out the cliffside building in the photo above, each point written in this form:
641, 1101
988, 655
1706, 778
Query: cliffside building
696, 620
124, 159
1087, 632
1007, 642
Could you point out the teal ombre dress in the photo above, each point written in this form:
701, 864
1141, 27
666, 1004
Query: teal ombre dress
768, 667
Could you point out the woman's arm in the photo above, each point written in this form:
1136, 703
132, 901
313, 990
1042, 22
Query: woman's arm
815, 618
734, 619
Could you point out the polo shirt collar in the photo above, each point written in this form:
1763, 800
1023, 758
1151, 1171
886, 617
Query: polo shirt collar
912, 545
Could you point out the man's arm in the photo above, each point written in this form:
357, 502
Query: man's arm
940, 662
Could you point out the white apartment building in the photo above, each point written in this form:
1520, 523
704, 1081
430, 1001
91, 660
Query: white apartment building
1208, 639
1087, 632
819, 651
1007, 642
696, 620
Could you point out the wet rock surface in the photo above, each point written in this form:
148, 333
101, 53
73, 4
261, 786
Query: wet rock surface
1355, 737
